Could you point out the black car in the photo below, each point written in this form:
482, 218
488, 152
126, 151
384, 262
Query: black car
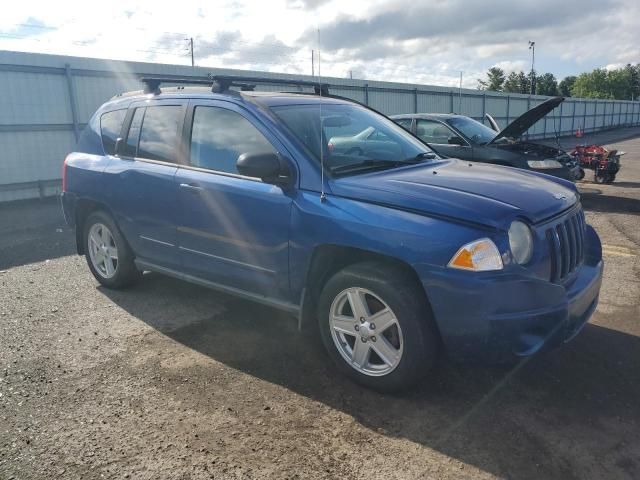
463, 137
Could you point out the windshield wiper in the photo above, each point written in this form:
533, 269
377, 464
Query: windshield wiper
373, 163
367, 164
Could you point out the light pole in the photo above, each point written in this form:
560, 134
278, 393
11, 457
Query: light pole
532, 47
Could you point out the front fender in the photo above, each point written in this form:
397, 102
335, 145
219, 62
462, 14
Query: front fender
405, 236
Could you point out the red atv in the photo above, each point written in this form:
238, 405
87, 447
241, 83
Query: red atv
604, 163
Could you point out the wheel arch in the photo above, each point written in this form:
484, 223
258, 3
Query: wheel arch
84, 208
328, 259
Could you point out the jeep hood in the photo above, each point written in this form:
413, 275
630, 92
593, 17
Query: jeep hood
471, 192
525, 121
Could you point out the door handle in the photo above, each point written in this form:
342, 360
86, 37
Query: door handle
191, 187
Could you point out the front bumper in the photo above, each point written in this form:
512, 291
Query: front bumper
501, 317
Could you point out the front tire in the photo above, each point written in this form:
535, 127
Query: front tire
377, 327
108, 255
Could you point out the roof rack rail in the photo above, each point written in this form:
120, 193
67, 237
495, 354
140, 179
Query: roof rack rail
222, 83
152, 84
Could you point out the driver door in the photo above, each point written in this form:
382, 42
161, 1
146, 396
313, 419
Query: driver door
233, 230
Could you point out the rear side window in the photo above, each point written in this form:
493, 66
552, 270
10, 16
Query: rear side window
110, 126
220, 136
159, 133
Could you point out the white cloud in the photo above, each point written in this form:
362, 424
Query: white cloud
396, 40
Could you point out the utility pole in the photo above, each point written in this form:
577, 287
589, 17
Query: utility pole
312, 65
532, 47
351, 74
191, 44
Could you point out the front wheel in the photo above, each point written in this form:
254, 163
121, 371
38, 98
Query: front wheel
377, 327
108, 255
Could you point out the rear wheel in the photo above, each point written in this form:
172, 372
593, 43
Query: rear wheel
600, 178
376, 325
108, 255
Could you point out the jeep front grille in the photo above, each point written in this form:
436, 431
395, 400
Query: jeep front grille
566, 244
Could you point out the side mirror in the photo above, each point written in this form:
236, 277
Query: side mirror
118, 147
266, 166
455, 140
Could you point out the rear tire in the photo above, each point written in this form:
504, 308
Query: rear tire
392, 355
108, 255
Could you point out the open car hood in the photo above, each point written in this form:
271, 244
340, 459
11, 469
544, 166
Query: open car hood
527, 119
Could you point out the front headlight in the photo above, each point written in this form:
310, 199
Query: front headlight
520, 242
480, 256
544, 164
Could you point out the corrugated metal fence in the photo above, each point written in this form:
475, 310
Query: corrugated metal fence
45, 101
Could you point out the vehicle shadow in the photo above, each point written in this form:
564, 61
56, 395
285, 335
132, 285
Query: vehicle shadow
597, 202
33, 231
572, 413
626, 184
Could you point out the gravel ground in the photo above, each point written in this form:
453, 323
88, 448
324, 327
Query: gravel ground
170, 380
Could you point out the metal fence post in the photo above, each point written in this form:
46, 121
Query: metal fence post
451, 102
484, 106
528, 108
584, 118
573, 117
415, 100
508, 108
366, 94
72, 101
559, 130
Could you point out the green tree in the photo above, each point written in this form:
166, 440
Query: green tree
619, 83
494, 81
593, 84
546, 84
517, 82
566, 84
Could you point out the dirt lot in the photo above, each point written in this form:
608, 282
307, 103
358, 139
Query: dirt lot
169, 380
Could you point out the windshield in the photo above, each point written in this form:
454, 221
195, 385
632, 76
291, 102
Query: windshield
475, 131
353, 139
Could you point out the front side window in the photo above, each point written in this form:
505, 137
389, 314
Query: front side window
351, 139
404, 123
159, 133
472, 129
219, 136
433, 132
110, 126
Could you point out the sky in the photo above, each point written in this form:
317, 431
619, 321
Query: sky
428, 41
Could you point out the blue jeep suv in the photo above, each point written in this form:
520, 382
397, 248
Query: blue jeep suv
398, 254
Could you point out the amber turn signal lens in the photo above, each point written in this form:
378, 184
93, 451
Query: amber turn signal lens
479, 256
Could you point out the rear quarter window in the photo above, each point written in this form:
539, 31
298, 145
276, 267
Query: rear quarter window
110, 126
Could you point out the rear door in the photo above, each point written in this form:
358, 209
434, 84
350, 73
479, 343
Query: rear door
232, 230
142, 186
440, 136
